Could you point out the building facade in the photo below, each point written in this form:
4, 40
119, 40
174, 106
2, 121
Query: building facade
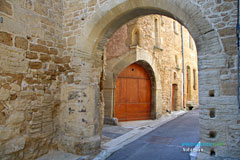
157, 43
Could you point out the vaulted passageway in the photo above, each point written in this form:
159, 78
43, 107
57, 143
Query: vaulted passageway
216, 59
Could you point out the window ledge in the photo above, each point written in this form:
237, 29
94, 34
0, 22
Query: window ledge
178, 68
158, 48
134, 46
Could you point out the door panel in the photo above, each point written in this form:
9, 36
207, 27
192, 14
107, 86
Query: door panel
120, 112
133, 94
144, 91
174, 97
132, 90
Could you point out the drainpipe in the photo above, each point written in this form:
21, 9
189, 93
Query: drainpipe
183, 69
238, 53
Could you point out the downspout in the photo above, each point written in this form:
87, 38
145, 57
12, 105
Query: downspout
238, 53
183, 70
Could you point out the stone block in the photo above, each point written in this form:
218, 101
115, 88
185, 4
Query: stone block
229, 31
92, 3
61, 68
15, 145
5, 7
15, 87
223, 7
229, 44
41, 42
45, 57
31, 55
228, 88
13, 61
71, 41
2, 118
5, 94
38, 48
16, 118
47, 21
8, 132
53, 51
40, 8
110, 121
35, 65
6, 38
58, 60
21, 42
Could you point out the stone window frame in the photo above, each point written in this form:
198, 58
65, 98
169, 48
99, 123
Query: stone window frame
190, 41
175, 75
175, 27
135, 39
194, 79
161, 21
157, 32
189, 82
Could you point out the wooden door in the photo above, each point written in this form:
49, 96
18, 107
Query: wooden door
133, 94
174, 97
188, 84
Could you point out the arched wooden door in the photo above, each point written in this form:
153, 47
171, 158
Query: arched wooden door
133, 94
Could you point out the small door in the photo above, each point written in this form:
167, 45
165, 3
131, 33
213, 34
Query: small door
133, 94
189, 84
174, 97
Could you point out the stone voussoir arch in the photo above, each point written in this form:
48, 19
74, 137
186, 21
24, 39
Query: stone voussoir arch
108, 18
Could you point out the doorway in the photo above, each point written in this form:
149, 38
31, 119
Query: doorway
174, 97
133, 94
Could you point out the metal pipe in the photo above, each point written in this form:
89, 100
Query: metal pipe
238, 54
183, 69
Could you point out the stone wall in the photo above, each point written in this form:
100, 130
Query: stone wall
31, 66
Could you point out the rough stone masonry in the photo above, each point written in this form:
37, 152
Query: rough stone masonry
51, 67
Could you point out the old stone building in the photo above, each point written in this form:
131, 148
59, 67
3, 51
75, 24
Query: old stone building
52, 70
156, 43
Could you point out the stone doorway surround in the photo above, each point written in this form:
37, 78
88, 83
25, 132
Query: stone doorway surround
113, 69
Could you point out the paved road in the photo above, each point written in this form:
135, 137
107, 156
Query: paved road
165, 142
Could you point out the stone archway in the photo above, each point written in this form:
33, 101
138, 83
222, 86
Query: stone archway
212, 57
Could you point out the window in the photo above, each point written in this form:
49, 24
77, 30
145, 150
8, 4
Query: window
189, 91
156, 26
135, 37
190, 42
161, 21
176, 60
175, 27
194, 80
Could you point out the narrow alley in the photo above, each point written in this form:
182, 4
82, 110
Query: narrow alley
165, 142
